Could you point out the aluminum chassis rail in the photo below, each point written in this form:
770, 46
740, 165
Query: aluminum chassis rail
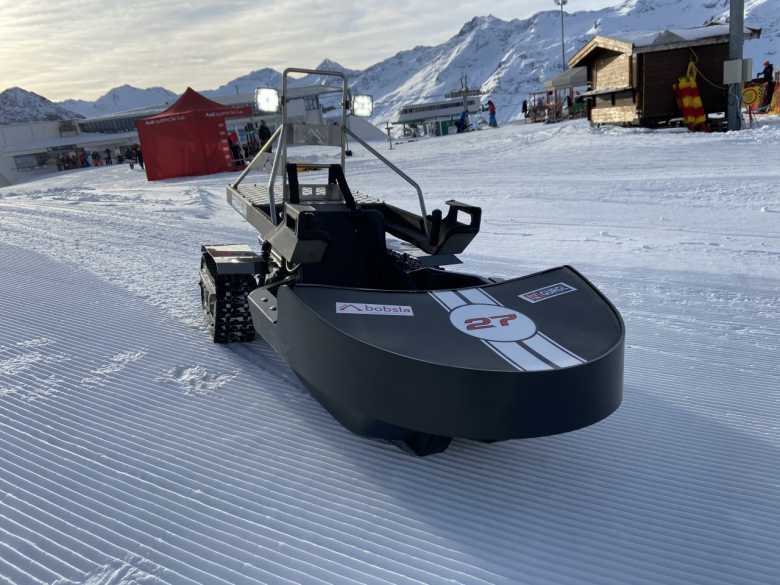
280, 157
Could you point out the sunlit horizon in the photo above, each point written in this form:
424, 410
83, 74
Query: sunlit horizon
63, 53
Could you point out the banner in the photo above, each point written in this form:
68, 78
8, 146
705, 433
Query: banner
689, 101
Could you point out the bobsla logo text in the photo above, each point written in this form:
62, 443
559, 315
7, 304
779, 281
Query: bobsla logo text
367, 309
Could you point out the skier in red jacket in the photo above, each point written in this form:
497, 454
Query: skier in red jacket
492, 111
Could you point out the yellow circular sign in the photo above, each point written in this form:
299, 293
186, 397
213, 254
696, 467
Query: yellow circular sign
751, 95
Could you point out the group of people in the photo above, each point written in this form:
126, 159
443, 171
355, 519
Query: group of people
81, 158
463, 124
256, 139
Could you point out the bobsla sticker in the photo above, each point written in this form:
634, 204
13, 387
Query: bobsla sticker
547, 292
366, 309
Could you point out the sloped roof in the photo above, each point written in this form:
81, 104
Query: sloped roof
645, 42
574, 77
191, 101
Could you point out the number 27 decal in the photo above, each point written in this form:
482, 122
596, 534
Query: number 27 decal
488, 322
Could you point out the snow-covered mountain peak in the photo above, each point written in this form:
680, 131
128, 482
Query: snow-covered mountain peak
331, 65
509, 59
19, 105
122, 98
479, 22
246, 84
506, 59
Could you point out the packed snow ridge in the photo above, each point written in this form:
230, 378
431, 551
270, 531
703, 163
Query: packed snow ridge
136, 452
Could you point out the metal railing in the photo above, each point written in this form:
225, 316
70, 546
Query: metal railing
280, 156
399, 172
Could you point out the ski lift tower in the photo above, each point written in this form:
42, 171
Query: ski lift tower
464, 92
562, 3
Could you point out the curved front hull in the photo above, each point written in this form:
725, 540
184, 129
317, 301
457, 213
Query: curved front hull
534, 356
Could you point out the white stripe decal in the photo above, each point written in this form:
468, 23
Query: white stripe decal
559, 346
528, 355
442, 305
491, 297
551, 352
519, 356
478, 297
448, 299
502, 356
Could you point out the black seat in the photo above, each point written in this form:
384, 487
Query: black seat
356, 255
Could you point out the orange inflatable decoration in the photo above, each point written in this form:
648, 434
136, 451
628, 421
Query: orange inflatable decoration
774, 107
689, 100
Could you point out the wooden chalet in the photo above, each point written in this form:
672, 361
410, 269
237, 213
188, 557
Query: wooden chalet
631, 76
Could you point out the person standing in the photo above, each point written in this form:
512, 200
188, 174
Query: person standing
525, 108
768, 77
235, 148
263, 134
109, 160
463, 122
492, 112
139, 156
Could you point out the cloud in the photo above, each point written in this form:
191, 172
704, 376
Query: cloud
81, 48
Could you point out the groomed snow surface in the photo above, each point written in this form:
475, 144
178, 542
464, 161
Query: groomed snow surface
135, 452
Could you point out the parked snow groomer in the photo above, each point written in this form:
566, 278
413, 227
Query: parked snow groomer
394, 345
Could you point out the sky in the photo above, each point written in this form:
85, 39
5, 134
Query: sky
82, 48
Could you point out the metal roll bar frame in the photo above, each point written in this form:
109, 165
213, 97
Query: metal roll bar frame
281, 136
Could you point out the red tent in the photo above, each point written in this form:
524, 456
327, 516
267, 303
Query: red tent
189, 138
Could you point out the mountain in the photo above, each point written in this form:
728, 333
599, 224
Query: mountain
272, 78
508, 59
246, 84
127, 97
121, 99
19, 105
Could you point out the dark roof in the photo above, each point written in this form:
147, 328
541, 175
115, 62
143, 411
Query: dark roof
574, 77
645, 42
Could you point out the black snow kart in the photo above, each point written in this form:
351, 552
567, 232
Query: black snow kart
393, 345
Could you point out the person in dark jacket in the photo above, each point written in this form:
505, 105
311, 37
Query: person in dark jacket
463, 122
525, 108
263, 133
768, 77
492, 112
108, 159
768, 73
139, 156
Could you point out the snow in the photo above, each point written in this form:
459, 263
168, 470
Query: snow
121, 99
128, 98
134, 451
509, 59
18, 105
505, 59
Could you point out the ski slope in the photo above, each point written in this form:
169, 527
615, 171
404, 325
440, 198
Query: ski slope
135, 452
